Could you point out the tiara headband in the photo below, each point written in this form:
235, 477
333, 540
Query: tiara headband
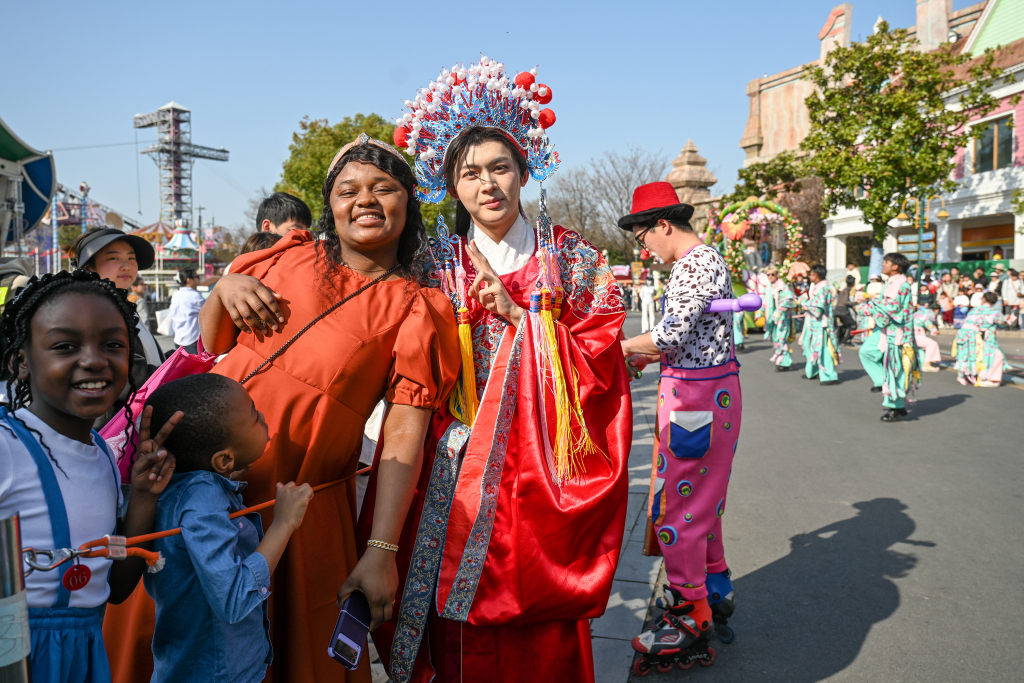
363, 139
481, 95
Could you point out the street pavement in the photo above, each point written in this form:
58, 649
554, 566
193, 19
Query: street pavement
861, 551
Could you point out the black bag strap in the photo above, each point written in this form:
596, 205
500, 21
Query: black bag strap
317, 319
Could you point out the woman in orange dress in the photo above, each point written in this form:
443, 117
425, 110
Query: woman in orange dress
395, 340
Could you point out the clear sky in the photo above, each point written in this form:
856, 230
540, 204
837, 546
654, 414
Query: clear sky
648, 73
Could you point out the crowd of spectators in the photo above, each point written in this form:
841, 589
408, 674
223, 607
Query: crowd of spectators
953, 294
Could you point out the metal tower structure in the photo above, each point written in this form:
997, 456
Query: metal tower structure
174, 155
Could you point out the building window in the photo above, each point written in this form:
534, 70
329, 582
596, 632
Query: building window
994, 149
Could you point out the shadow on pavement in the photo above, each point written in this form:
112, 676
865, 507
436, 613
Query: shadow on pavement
850, 375
933, 406
805, 617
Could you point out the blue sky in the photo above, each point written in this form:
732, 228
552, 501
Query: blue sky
647, 73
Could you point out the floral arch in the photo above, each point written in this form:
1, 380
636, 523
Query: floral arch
756, 225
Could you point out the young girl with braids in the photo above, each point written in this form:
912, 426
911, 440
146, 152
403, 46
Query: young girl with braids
67, 355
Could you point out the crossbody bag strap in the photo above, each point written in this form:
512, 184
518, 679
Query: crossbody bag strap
314, 321
51, 493
122, 500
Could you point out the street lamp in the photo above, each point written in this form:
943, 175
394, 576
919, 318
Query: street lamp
84, 188
919, 223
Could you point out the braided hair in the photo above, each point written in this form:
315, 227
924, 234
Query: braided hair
16, 326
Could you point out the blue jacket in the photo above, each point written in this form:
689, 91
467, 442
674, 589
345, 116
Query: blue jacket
211, 596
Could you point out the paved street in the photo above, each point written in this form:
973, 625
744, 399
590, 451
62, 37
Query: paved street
861, 550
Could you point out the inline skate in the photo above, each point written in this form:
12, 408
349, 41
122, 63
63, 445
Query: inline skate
679, 637
722, 602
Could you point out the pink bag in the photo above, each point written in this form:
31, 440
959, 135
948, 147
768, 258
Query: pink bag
180, 364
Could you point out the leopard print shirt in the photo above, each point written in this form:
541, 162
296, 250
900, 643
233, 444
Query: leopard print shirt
686, 337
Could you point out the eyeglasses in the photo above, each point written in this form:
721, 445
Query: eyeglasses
639, 236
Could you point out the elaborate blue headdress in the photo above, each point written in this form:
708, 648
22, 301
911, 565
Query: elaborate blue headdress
481, 95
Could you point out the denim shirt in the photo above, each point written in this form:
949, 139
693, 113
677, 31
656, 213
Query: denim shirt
211, 596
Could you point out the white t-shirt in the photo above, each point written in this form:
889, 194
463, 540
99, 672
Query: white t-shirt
185, 305
647, 293
91, 488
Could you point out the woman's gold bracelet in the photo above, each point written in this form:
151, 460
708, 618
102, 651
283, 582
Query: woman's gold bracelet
383, 546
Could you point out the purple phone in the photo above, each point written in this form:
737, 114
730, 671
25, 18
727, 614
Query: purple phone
349, 639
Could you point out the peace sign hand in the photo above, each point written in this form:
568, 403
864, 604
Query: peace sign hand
154, 465
492, 296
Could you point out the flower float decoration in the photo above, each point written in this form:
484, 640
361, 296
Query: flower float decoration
760, 219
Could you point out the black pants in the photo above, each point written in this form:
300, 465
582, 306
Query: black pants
846, 325
192, 348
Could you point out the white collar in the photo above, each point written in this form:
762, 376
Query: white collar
513, 251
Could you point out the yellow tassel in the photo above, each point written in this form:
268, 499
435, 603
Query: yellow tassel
468, 398
832, 350
567, 465
583, 444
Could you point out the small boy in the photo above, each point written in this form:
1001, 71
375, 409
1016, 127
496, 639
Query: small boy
211, 596
281, 212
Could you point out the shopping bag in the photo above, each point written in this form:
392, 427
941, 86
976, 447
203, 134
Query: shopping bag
180, 364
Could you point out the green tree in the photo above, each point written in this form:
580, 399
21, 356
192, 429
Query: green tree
882, 127
768, 179
314, 147
1017, 202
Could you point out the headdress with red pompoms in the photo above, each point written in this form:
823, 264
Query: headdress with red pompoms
480, 95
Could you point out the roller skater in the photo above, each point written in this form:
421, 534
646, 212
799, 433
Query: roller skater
699, 415
679, 638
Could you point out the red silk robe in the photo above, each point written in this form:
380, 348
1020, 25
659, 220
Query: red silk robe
500, 568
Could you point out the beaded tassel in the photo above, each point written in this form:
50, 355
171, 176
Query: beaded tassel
462, 402
570, 445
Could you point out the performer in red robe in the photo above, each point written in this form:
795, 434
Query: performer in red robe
516, 528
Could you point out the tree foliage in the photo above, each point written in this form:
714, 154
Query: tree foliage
314, 147
1017, 202
768, 179
881, 125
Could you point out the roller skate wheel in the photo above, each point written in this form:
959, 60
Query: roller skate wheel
725, 634
641, 667
665, 668
710, 659
687, 664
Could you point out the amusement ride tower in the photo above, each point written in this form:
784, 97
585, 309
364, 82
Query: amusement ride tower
174, 155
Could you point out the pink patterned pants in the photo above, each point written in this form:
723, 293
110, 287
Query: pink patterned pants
699, 415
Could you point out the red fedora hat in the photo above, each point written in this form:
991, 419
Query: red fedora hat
655, 201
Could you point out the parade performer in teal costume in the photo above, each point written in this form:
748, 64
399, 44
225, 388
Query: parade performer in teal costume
925, 326
889, 354
820, 343
779, 305
979, 360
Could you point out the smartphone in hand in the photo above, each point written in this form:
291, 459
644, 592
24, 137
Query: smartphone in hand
349, 639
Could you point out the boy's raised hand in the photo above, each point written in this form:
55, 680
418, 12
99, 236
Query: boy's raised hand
291, 503
153, 466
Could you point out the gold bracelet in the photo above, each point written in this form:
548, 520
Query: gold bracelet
382, 545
